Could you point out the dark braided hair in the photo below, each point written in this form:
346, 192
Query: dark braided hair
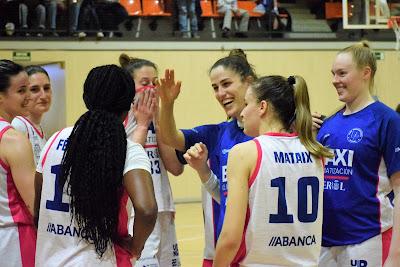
94, 159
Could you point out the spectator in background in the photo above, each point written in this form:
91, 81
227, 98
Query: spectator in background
111, 14
187, 9
89, 19
27, 7
9, 17
230, 8
53, 6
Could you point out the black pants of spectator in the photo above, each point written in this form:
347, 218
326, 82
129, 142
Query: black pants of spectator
9, 12
88, 17
111, 15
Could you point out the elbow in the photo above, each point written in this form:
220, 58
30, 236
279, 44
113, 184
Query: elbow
148, 213
177, 170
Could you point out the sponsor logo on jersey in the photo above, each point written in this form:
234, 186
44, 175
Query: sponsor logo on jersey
292, 241
358, 263
355, 135
338, 168
62, 144
66, 230
334, 185
292, 157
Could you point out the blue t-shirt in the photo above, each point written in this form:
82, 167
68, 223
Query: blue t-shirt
219, 139
367, 152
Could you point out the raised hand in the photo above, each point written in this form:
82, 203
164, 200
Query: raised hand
168, 89
144, 108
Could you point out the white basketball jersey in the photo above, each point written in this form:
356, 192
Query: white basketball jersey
162, 187
59, 240
209, 224
36, 136
17, 232
284, 218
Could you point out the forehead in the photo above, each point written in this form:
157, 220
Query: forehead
19, 80
145, 72
38, 77
343, 61
221, 73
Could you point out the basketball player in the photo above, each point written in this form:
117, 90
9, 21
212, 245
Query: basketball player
360, 227
230, 77
161, 248
274, 207
17, 231
86, 174
40, 88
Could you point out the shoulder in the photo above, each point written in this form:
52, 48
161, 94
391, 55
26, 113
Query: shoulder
19, 124
381, 112
246, 151
14, 143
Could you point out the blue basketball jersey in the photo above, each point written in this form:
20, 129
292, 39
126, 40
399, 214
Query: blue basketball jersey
366, 145
219, 139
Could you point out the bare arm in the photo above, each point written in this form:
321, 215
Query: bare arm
38, 195
17, 152
169, 158
168, 91
241, 161
139, 185
393, 259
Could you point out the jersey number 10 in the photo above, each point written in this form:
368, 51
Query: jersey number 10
302, 201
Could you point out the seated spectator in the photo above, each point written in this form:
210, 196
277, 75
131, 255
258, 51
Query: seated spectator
187, 10
61, 5
28, 7
111, 14
229, 8
9, 15
88, 19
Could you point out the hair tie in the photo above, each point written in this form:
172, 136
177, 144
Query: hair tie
291, 80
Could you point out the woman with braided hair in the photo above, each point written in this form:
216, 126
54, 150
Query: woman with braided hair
86, 174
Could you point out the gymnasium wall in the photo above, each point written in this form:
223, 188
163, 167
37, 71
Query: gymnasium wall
196, 104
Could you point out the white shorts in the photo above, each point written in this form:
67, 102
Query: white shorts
161, 248
370, 253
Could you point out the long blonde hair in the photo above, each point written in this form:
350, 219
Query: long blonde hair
291, 103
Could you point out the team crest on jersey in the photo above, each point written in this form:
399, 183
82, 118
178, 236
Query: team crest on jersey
355, 135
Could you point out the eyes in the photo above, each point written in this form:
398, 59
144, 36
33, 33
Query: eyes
224, 84
36, 88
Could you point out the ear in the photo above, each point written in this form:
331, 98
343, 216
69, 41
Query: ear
367, 72
263, 107
249, 79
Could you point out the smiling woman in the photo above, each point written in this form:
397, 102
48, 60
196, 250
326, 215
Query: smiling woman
30, 124
230, 77
358, 214
17, 232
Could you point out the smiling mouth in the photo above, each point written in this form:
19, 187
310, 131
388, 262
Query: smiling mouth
227, 103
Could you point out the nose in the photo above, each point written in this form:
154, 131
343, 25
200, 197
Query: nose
335, 79
220, 92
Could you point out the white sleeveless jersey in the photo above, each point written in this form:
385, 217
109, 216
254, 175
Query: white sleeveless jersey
59, 241
209, 205
17, 232
284, 218
35, 136
162, 187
